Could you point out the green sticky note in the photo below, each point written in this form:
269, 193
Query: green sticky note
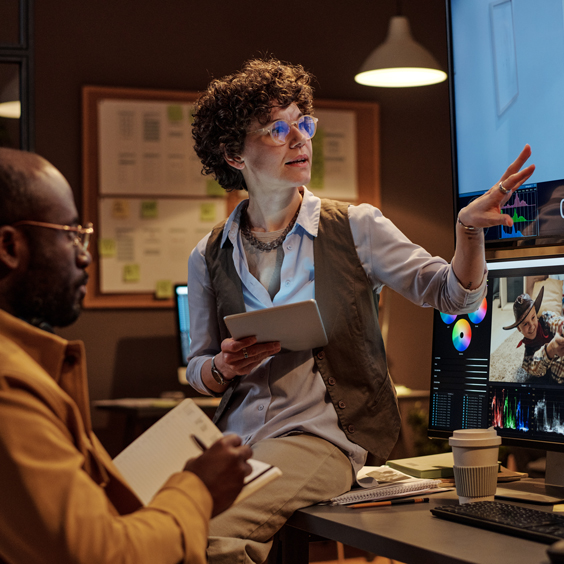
174, 112
120, 209
131, 273
149, 209
207, 212
163, 290
107, 248
213, 188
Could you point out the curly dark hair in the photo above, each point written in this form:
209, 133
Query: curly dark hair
229, 105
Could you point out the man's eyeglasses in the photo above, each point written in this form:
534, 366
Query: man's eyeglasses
80, 236
280, 129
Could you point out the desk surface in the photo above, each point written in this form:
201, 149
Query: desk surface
411, 534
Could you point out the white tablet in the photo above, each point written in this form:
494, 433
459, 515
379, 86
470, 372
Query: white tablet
297, 326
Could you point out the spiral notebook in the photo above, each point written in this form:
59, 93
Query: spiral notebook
388, 484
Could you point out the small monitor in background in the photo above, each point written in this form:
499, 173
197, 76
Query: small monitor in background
182, 328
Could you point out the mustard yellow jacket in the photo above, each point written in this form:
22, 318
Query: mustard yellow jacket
61, 498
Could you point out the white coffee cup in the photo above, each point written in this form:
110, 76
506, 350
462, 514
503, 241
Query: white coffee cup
475, 453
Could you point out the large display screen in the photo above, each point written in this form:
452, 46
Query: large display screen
486, 372
507, 79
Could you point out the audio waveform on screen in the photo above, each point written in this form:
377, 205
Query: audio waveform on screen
517, 203
511, 234
523, 209
548, 416
518, 218
509, 412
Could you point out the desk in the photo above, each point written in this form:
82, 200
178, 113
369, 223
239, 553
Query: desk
408, 533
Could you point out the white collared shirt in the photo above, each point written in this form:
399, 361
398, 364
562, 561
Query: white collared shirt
285, 393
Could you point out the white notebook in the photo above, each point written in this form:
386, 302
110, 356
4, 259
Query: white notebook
387, 483
165, 447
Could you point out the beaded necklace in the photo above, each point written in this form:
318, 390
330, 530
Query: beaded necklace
261, 246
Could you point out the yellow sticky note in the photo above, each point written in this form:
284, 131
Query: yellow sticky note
149, 209
174, 112
120, 209
131, 273
558, 508
107, 248
207, 212
163, 290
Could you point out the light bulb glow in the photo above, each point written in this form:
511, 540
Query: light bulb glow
400, 77
11, 109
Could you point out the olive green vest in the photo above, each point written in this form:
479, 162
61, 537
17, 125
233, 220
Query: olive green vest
353, 363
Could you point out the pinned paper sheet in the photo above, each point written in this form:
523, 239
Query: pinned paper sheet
158, 236
163, 291
149, 209
107, 248
131, 273
120, 209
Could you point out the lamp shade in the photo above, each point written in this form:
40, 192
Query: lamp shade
10, 105
400, 61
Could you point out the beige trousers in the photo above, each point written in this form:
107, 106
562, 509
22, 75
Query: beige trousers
313, 470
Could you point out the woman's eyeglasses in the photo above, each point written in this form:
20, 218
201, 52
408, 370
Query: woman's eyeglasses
280, 129
80, 236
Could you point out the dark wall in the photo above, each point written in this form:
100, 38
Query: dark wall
180, 44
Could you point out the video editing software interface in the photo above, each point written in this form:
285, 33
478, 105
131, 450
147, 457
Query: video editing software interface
478, 379
506, 80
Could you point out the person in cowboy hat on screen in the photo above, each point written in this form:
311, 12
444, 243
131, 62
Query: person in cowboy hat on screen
542, 337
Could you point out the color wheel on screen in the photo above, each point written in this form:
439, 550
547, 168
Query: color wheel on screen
461, 335
480, 313
448, 319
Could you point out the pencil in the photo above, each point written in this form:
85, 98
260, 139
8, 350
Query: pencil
390, 502
199, 442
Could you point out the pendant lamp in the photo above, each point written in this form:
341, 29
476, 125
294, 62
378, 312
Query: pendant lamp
400, 61
10, 106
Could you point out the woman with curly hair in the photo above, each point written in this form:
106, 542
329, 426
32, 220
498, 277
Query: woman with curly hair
313, 413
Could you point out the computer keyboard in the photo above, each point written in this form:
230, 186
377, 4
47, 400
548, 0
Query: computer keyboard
506, 518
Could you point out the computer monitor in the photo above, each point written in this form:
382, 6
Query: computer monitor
478, 378
506, 81
182, 328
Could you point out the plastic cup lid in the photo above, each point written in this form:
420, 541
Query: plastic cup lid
474, 438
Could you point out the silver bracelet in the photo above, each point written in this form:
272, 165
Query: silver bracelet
469, 227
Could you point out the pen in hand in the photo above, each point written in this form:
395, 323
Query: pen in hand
390, 502
199, 442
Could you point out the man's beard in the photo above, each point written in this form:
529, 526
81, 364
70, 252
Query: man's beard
44, 295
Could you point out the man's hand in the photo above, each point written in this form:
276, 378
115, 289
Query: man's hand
222, 468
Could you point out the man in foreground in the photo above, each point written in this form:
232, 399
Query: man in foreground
63, 499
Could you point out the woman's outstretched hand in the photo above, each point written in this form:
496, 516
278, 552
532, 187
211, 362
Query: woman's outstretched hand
485, 211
